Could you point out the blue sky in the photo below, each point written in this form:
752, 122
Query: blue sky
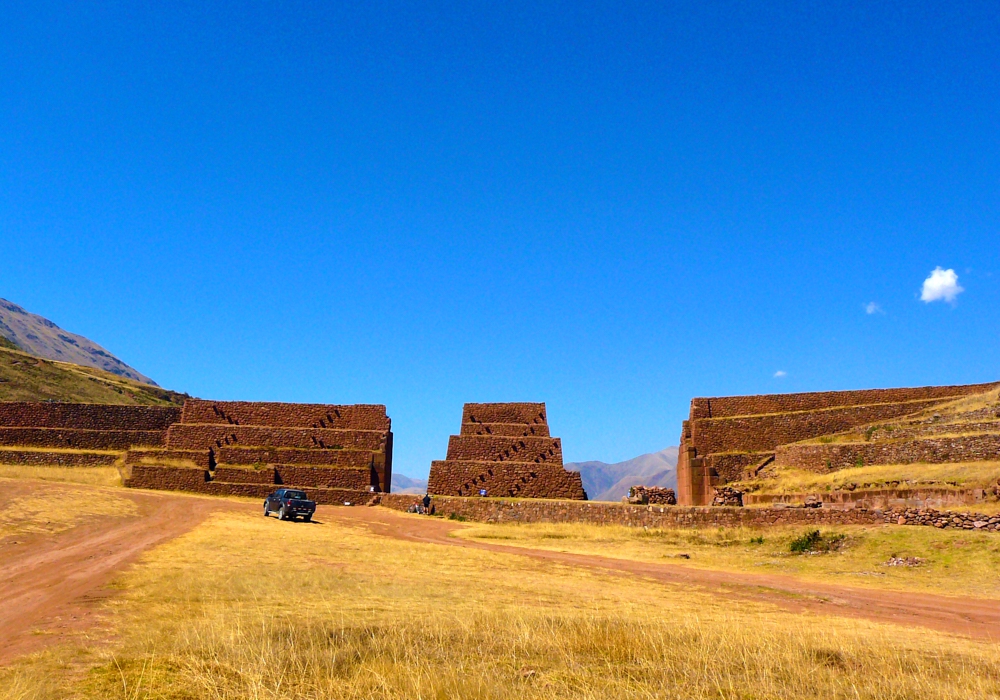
608, 207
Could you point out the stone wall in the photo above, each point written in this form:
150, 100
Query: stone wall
193, 437
496, 510
729, 406
66, 438
201, 481
282, 455
83, 416
765, 433
335, 453
523, 413
288, 415
464, 478
41, 458
719, 429
496, 448
505, 448
834, 456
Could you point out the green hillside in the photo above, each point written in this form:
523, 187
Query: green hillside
24, 377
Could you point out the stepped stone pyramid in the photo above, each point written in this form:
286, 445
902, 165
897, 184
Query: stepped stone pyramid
504, 449
334, 453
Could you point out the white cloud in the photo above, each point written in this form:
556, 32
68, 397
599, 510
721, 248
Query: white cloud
872, 307
942, 285
780, 373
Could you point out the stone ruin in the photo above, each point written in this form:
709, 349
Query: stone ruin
336, 454
651, 495
504, 449
733, 438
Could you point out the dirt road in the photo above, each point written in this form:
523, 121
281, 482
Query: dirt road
51, 585
973, 617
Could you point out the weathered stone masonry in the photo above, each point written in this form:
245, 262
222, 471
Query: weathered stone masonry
335, 453
728, 436
505, 449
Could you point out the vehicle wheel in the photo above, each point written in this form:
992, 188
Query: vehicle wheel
282, 514
307, 518
267, 512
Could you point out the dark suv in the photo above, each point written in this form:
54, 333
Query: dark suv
289, 504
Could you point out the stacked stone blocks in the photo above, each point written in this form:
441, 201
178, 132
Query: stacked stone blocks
505, 449
726, 438
335, 453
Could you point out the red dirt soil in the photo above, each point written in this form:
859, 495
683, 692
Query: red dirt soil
52, 586
974, 617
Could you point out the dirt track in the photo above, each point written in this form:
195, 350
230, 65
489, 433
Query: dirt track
53, 584
974, 617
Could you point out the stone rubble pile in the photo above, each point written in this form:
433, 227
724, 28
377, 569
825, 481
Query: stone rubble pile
651, 495
728, 496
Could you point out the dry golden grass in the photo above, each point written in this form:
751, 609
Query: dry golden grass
92, 476
59, 509
244, 607
957, 562
963, 474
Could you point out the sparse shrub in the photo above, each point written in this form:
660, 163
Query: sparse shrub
756, 540
815, 541
456, 516
859, 462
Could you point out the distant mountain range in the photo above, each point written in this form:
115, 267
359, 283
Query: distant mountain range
404, 484
40, 337
602, 481
610, 482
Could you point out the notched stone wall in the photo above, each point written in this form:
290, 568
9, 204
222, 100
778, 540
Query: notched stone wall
505, 449
335, 453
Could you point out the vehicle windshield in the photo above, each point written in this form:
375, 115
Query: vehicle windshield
297, 495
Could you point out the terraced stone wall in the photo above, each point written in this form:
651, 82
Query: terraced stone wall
720, 429
287, 415
339, 452
938, 450
80, 416
729, 406
505, 449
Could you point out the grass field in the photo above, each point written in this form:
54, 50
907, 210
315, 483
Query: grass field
244, 607
31, 513
957, 474
957, 562
93, 476
24, 377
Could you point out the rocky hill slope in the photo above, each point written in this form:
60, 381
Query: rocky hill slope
24, 377
40, 337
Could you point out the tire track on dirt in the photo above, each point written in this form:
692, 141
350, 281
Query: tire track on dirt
51, 584
973, 617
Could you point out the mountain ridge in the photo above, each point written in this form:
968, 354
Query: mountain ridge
610, 482
38, 336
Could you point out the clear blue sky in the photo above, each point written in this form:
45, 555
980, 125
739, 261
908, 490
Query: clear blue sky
611, 208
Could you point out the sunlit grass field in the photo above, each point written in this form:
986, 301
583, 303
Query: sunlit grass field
956, 562
92, 476
59, 509
247, 607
